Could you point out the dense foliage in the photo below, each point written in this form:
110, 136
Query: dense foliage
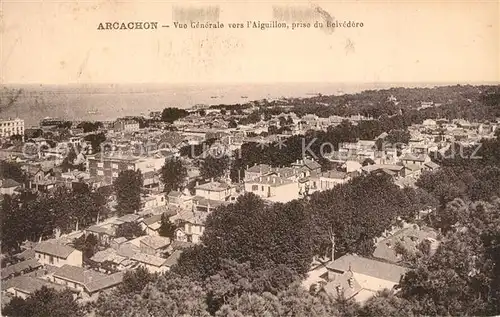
173, 174
128, 187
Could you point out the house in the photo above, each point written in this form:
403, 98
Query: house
413, 170
152, 263
179, 199
109, 259
107, 167
24, 286
154, 245
215, 191
273, 188
310, 164
430, 166
416, 159
390, 169
104, 232
191, 225
409, 238
40, 178
20, 268
329, 179
371, 275
8, 186
256, 171
84, 281
55, 254
201, 204
151, 225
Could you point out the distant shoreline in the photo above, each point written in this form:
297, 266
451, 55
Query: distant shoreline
102, 102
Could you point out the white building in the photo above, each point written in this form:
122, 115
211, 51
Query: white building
55, 254
11, 127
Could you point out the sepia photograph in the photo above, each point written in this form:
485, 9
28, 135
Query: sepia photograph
249, 158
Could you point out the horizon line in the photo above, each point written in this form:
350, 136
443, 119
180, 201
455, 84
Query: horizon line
441, 83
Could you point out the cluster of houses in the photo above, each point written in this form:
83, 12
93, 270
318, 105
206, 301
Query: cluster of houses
57, 264
361, 277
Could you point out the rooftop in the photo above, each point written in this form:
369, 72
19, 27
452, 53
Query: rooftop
362, 265
156, 242
55, 249
27, 284
149, 259
213, 186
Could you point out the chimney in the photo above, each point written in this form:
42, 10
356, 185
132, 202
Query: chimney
350, 281
211, 180
197, 183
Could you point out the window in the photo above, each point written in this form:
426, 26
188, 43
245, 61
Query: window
114, 165
51, 260
262, 188
100, 173
100, 164
115, 174
255, 187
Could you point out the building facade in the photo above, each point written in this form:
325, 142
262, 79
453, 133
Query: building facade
11, 127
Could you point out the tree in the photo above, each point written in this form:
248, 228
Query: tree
95, 140
168, 296
135, 281
87, 244
88, 126
398, 137
13, 171
129, 230
167, 228
232, 124
127, 187
214, 167
44, 302
173, 174
172, 114
249, 231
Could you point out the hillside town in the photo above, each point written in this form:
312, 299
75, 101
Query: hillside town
91, 207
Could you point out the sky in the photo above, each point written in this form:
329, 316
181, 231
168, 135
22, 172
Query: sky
57, 42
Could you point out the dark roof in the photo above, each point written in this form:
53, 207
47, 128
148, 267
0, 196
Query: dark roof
26, 254
173, 258
432, 165
9, 183
374, 268
150, 220
29, 284
56, 249
19, 267
105, 282
77, 274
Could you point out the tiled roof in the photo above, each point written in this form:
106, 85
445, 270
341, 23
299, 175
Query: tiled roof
151, 220
110, 255
77, 274
105, 282
156, 242
374, 268
173, 258
29, 284
19, 267
213, 186
149, 259
52, 248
